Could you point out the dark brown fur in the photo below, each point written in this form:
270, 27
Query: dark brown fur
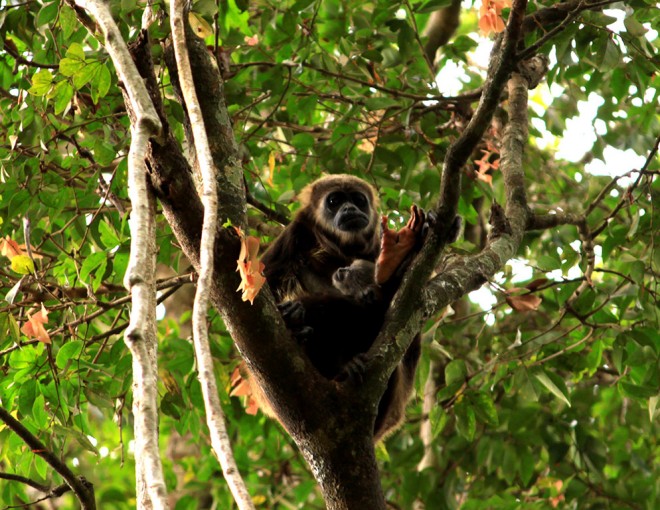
337, 330
337, 321
307, 253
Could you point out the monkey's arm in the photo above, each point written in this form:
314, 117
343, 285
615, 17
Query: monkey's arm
332, 329
284, 261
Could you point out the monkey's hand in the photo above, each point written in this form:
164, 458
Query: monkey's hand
293, 313
395, 247
370, 296
353, 370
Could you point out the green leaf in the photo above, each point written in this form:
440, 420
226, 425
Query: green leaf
76, 51
62, 93
102, 81
638, 391
449, 391
466, 423
70, 66
99, 275
90, 263
68, 352
47, 14
455, 372
303, 141
68, 21
438, 418
104, 153
554, 384
42, 81
39, 414
549, 262
594, 357
653, 404
634, 27
484, 408
526, 467
108, 236
85, 73
41, 467
609, 55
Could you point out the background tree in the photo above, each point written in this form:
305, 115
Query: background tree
545, 396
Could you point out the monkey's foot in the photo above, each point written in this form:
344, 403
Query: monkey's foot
353, 370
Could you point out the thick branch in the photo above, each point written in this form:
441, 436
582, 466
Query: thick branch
462, 277
260, 336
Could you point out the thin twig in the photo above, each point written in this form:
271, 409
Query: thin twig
214, 415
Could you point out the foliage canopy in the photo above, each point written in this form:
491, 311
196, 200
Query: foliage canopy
543, 398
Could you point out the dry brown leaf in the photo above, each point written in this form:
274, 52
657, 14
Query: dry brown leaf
524, 303
9, 248
249, 267
34, 327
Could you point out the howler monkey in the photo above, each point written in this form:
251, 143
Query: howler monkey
337, 223
321, 270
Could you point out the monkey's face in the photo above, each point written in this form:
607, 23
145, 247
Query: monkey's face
350, 210
344, 210
354, 279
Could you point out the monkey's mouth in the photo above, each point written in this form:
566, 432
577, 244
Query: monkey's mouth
350, 222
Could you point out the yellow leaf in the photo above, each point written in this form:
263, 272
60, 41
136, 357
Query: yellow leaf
271, 167
22, 264
199, 25
258, 499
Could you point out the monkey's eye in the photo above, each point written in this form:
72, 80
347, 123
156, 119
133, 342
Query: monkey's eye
359, 200
334, 200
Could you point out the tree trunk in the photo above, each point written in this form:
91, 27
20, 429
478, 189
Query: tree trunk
347, 474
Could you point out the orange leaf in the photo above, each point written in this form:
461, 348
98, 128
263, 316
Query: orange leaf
525, 303
249, 267
252, 406
490, 19
251, 41
241, 389
9, 248
34, 327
